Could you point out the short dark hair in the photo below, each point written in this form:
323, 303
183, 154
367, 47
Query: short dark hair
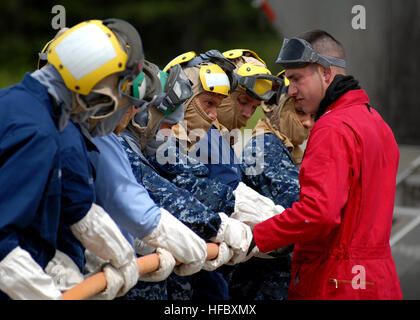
324, 43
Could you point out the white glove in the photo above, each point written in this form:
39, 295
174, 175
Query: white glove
117, 283
21, 278
251, 207
64, 272
114, 277
166, 266
93, 264
99, 233
237, 235
142, 248
224, 256
186, 247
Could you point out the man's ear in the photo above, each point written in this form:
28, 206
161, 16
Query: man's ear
326, 74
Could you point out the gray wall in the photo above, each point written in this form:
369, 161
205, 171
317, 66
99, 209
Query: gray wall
384, 57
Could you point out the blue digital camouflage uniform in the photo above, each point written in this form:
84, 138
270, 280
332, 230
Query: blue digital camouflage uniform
165, 194
184, 206
277, 180
212, 182
190, 174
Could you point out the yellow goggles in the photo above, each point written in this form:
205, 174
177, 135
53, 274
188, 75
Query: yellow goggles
257, 81
214, 79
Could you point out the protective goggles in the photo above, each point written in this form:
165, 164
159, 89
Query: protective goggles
166, 91
257, 81
213, 56
297, 53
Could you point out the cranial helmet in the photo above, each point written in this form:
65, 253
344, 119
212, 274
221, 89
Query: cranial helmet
92, 50
98, 61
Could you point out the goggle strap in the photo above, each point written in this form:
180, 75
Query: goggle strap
334, 61
138, 103
42, 56
211, 56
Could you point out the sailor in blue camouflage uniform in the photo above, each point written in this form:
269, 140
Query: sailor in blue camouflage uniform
276, 139
268, 168
213, 200
181, 203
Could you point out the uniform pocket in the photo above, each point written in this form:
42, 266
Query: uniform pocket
354, 284
338, 288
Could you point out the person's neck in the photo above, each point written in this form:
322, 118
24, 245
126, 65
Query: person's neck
340, 85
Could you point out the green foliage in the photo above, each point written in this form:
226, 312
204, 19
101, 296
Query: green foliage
167, 27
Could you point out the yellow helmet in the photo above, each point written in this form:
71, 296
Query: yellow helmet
282, 75
90, 51
213, 70
236, 53
185, 57
214, 79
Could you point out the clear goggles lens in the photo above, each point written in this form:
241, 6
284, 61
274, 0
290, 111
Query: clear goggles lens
292, 50
176, 89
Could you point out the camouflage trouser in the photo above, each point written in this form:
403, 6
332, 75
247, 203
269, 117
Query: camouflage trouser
179, 288
202, 286
147, 291
259, 279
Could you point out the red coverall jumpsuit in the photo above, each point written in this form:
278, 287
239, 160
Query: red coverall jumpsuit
342, 223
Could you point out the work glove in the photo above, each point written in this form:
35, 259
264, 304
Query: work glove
99, 234
64, 272
118, 281
237, 236
185, 246
166, 266
166, 261
114, 278
142, 248
251, 207
223, 257
21, 278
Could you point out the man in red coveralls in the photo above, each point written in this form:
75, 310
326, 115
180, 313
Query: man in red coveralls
341, 224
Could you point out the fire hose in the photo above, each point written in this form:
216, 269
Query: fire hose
146, 264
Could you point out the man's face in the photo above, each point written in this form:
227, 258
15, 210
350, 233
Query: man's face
209, 103
247, 105
308, 85
307, 119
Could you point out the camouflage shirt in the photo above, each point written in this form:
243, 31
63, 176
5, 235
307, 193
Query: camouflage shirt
277, 179
178, 201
